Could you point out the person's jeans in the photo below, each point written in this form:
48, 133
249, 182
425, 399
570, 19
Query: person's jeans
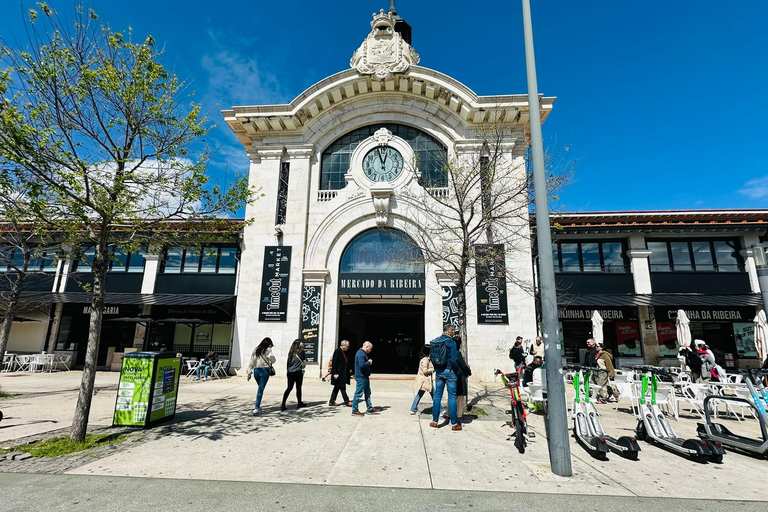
261, 376
339, 386
417, 399
443, 379
362, 386
206, 367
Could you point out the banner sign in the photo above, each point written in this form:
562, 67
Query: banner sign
667, 333
148, 387
274, 284
628, 339
310, 320
451, 305
491, 284
715, 314
165, 388
358, 283
586, 314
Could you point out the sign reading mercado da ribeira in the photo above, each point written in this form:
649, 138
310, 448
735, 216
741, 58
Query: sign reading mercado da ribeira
273, 306
491, 284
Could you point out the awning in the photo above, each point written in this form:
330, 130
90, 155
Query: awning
161, 299
660, 299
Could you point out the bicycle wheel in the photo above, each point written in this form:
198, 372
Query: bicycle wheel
519, 435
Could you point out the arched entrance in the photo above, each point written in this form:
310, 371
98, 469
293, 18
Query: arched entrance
381, 294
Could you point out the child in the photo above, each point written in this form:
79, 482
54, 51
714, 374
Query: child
327, 373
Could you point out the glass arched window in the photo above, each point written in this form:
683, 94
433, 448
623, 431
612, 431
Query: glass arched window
381, 262
431, 154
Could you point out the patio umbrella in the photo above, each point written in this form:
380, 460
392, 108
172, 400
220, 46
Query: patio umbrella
683, 329
597, 327
761, 334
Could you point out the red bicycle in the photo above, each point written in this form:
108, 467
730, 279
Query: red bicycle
519, 415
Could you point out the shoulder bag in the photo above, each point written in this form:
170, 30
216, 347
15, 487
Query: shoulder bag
271, 368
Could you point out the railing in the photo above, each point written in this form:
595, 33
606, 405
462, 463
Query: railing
439, 192
327, 195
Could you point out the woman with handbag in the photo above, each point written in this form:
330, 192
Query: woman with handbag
295, 366
261, 366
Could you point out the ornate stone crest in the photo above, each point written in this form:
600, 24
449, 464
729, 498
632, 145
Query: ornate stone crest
384, 51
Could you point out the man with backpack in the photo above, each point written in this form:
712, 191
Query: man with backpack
692, 361
443, 355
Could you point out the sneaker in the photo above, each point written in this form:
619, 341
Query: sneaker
256, 411
358, 413
414, 412
433, 424
444, 413
456, 427
283, 408
613, 399
205, 379
301, 405
197, 378
601, 401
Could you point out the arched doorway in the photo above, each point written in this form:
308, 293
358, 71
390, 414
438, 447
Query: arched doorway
381, 294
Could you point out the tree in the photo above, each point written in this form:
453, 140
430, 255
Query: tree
487, 206
112, 146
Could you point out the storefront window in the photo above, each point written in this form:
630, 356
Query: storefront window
613, 257
659, 258
727, 256
607, 257
590, 254
702, 256
208, 260
173, 260
191, 261
570, 255
227, 260
681, 256
695, 255
86, 259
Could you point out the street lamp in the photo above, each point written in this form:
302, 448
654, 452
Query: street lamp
557, 415
761, 264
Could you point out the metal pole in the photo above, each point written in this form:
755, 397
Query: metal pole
557, 417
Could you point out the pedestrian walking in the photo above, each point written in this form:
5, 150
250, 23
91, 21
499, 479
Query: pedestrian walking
295, 365
590, 356
363, 379
607, 391
423, 380
340, 374
517, 354
442, 353
260, 367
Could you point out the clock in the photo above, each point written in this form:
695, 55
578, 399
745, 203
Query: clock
382, 163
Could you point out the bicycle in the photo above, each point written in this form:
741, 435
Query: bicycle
519, 415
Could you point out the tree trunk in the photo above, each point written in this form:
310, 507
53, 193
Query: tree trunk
12, 305
83, 407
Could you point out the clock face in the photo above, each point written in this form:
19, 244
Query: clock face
383, 163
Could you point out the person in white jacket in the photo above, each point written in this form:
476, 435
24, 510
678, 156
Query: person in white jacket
260, 367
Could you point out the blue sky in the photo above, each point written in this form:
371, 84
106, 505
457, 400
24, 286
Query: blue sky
664, 103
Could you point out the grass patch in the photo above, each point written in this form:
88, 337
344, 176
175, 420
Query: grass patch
478, 411
64, 445
3, 394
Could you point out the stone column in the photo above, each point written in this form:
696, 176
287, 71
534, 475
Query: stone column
324, 347
641, 277
749, 261
151, 269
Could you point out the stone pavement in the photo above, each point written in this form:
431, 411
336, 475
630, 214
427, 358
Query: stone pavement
214, 437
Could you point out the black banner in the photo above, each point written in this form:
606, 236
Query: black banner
310, 320
451, 305
274, 284
380, 284
491, 285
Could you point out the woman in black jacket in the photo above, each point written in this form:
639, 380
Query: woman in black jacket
295, 366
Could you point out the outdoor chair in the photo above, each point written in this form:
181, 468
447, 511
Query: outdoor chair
693, 395
537, 388
220, 370
626, 392
8, 362
62, 360
192, 364
22, 363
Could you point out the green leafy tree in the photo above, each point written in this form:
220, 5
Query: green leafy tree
112, 146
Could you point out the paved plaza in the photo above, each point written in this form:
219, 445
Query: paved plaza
215, 437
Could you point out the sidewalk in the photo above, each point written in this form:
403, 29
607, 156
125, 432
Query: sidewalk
214, 437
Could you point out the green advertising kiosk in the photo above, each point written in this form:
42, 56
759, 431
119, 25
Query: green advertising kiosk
149, 384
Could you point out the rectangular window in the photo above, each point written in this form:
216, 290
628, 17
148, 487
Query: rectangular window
556, 257
228, 260
590, 255
50, 261
727, 256
613, 257
282, 193
681, 256
191, 261
173, 259
570, 255
659, 258
702, 256
86, 259
119, 260
209, 260
136, 262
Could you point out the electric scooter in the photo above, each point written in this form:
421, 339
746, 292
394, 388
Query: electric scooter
595, 434
652, 425
716, 432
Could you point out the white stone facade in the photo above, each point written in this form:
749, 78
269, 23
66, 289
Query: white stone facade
320, 223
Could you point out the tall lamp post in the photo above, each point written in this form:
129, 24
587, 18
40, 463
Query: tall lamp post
761, 264
557, 416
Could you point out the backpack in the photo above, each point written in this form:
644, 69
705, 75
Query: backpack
438, 353
693, 361
719, 356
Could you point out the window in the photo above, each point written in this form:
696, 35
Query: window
85, 260
207, 260
695, 256
593, 257
130, 262
41, 261
432, 156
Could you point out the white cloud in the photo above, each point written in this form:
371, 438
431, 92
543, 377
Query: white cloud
237, 78
756, 188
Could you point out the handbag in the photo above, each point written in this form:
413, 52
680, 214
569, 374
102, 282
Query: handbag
271, 368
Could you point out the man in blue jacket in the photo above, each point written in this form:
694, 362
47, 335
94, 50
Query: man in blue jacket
446, 376
363, 379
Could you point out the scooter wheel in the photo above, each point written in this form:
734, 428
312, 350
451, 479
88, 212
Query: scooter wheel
717, 459
631, 455
640, 432
1, 415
